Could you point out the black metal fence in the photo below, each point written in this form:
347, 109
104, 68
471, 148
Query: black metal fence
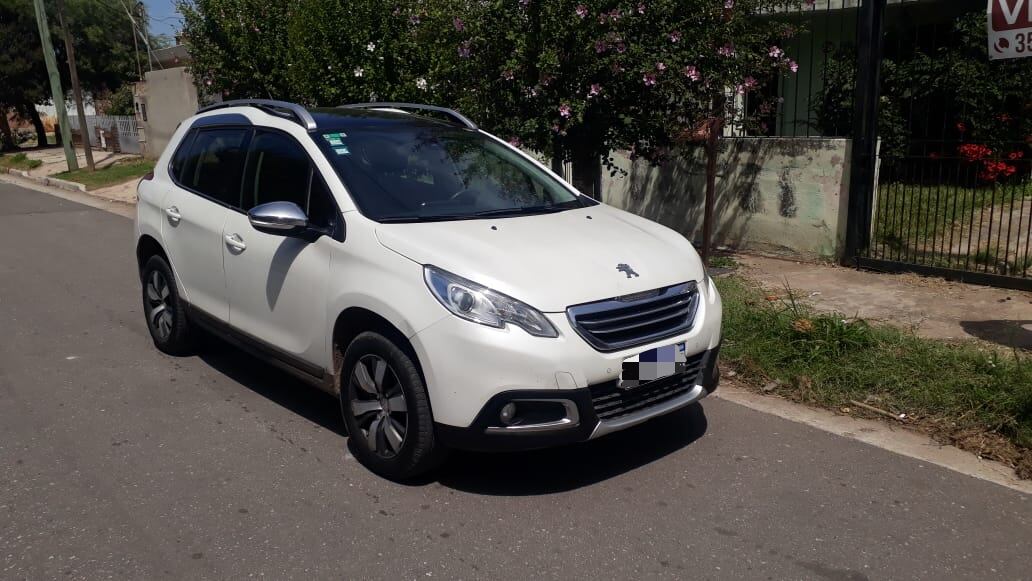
945, 211
952, 196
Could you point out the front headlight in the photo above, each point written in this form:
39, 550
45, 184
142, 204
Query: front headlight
480, 304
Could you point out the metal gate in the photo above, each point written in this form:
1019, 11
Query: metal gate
128, 133
949, 192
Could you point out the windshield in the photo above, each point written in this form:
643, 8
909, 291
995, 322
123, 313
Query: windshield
413, 173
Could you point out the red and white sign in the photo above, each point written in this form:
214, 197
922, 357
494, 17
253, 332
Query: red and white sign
1010, 28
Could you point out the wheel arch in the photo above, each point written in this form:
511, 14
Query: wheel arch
146, 247
353, 321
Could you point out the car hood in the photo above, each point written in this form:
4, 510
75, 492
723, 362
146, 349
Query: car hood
552, 261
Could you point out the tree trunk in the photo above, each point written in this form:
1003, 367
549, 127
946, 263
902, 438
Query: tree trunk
37, 123
6, 136
587, 171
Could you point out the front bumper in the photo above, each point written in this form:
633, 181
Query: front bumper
584, 413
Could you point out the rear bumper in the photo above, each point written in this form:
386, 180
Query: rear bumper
582, 414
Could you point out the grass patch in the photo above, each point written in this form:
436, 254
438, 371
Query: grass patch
723, 261
116, 173
977, 398
19, 161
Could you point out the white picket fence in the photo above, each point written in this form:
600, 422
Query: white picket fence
128, 132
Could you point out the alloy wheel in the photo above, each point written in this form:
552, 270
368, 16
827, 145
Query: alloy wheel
379, 406
159, 304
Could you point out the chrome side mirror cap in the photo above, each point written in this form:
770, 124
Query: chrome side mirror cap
281, 218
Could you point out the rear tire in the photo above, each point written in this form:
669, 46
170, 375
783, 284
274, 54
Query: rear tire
386, 409
165, 312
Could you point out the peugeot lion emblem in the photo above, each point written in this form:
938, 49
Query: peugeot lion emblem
626, 270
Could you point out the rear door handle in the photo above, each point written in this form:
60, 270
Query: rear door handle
173, 214
235, 242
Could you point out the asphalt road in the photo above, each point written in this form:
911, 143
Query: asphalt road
118, 461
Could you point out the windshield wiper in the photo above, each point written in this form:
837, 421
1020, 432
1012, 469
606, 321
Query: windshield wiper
519, 211
472, 215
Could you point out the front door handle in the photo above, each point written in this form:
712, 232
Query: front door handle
235, 242
173, 214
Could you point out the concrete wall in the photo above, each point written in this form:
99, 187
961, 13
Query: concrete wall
783, 195
170, 96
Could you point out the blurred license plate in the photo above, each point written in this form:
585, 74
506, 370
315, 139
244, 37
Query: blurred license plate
652, 365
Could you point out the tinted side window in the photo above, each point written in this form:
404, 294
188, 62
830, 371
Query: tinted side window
215, 164
279, 170
175, 168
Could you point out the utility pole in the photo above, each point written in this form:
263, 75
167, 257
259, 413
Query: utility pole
76, 90
136, 50
55, 83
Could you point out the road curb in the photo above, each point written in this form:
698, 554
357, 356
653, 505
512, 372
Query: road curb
880, 435
47, 180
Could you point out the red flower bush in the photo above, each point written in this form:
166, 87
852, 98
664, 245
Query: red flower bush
992, 170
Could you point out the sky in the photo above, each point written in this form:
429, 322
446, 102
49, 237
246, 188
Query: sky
163, 16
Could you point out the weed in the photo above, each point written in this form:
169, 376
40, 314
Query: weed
829, 359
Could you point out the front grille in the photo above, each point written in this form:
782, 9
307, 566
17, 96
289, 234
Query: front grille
623, 322
612, 402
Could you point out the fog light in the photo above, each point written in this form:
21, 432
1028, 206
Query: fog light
508, 414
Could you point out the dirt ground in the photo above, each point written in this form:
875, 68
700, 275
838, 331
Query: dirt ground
933, 307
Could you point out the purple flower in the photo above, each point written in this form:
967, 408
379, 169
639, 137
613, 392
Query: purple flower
459, 24
507, 75
515, 141
464, 49
649, 79
793, 66
692, 73
414, 19
675, 36
727, 50
621, 47
776, 52
582, 10
750, 82
641, 8
600, 46
661, 66
595, 90
565, 111
729, 4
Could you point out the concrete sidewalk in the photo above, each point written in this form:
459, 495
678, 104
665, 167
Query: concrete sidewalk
54, 162
932, 307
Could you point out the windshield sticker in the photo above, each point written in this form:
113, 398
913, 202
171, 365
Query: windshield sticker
334, 138
342, 150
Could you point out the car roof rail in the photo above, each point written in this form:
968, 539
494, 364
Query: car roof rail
283, 109
455, 115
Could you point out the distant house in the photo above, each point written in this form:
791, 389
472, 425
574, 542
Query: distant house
165, 97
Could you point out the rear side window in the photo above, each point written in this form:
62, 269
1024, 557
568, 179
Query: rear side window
214, 165
175, 169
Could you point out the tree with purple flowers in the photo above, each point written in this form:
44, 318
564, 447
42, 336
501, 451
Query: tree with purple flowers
571, 79
577, 79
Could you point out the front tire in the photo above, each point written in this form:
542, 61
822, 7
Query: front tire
386, 409
163, 308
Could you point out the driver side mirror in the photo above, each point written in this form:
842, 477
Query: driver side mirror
279, 218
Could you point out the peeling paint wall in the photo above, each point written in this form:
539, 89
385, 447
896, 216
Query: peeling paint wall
784, 195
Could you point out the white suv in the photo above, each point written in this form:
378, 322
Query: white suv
449, 288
